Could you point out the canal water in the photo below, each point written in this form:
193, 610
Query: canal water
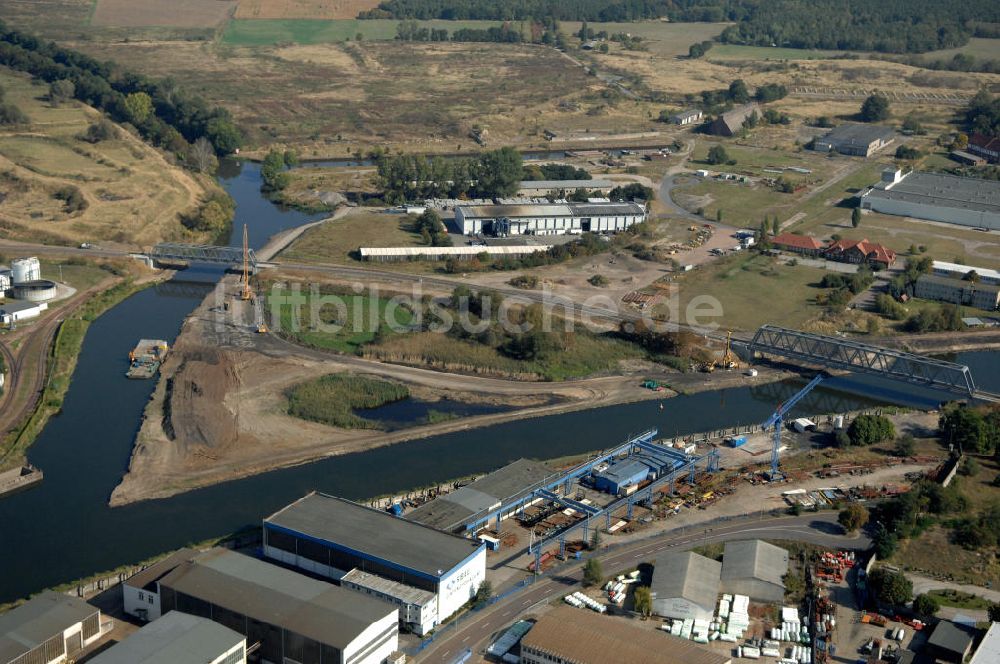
63, 529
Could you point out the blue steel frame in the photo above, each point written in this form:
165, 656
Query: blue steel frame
777, 420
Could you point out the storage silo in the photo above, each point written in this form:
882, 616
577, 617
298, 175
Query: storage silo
24, 270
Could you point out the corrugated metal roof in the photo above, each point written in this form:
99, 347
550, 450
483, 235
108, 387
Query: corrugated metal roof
941, 190
375, 533
149, 576
624, 471
961, 270
949, 636
861, 135
584, 637
401, 591
268, 593
176, 638
370, 252
756, 559
38, 620
688, 575
506, 485
567, 210
566, 184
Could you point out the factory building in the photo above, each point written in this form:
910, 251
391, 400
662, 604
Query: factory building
958, 291
949, 642
396, 254
647, 463
48, 629
12, 313
141, 591
178, 638
756, 569
988, 651
467, 506
685, 585
571, 218
959, 271
5, 282
688, 117
290, 618
855, 140
986, 147
331, 536
566, 635
936, 197
417, 607
561, 187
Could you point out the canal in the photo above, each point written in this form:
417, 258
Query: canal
63, 529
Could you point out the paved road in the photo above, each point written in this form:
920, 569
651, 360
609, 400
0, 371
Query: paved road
475, 631
667, 185
923, 584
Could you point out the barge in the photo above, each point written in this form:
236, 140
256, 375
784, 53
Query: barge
145, 359
17, 479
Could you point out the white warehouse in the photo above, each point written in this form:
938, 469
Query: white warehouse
936, 197
555, 219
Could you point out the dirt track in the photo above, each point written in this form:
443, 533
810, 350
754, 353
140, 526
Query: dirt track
227, 410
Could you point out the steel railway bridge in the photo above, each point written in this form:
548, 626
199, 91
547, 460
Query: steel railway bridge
203, 253
849, 355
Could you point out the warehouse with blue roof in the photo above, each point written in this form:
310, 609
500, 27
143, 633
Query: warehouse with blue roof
649, 462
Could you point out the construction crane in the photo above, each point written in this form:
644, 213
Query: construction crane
777, 420
730, 360
247, 293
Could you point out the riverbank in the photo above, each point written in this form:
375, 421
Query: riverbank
62, 333
219, 410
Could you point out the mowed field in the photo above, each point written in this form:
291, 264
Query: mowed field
325, 9
175, 13
133, 195
253, 32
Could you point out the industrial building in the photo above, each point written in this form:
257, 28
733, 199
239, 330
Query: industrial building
39, 290
394, 254
988, 651
949, 642
855, 140
562, 187
503, 488
141, 591
289, 618
48, 629
685, 585
958, 291
14, 312
331, 536
936, 197
731, 122
756, 569
797, 244
687, 117
417, 607
4, 282
987, 147
860, 252
646, 464
571, 218
566, 635
959, 271
178, 638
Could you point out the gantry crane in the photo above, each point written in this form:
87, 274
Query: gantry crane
777, 420
247, 293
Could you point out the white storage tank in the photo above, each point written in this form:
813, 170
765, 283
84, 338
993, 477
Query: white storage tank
25, 269
4, 281
41, 290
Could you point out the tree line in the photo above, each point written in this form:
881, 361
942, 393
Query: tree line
413, 31
891, 26
161, 112
408, 177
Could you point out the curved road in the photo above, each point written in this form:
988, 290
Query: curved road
474, 631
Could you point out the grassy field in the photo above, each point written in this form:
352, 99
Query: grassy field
327, 9
340, 322
747, 287
332, 399
584, 355
176, 13
342, 98
982, 49
960, 600
660, 38
133, 194
247, 32
333, 241
739, 52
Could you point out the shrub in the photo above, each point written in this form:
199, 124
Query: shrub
102, 130
870, 429
72, 199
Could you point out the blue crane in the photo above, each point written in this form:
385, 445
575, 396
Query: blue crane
777, 419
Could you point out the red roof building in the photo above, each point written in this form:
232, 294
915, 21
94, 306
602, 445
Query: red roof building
800, 244
861, 251
987, 147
